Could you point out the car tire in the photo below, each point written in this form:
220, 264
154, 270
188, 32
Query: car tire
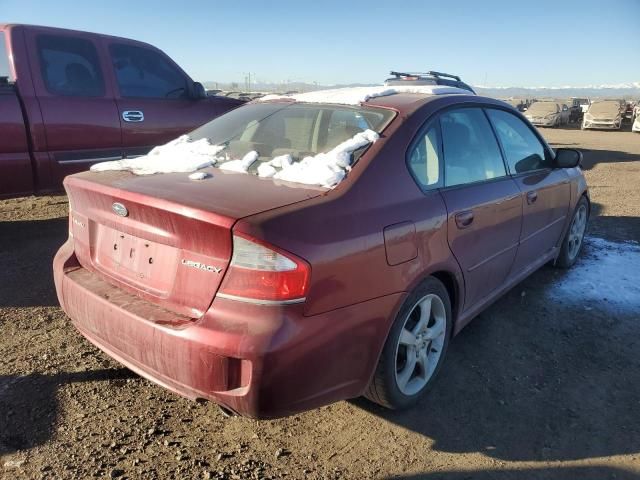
574, 238
415, 348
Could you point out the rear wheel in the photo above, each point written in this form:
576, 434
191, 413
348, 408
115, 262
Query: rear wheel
573, 240
415, 348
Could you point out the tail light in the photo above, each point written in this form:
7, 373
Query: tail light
262, 273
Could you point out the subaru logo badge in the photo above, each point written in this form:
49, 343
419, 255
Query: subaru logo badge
119, 209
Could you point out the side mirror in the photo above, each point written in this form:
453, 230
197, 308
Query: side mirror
568, 158
198, 91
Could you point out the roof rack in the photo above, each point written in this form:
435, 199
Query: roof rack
430, 77
430, 73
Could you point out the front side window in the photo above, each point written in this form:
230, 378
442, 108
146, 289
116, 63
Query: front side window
522, 148
471, 152
70, 66
424, 159
145, 73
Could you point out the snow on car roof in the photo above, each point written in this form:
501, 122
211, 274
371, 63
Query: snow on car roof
358, 95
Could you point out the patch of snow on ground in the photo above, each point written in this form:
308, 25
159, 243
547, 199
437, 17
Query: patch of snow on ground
326, 169
179, 155
607, 274
358, 95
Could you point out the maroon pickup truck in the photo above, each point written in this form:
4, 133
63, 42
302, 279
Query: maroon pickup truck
69, 99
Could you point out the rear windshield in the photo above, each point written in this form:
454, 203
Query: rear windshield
299, 130
5, 71
544, 108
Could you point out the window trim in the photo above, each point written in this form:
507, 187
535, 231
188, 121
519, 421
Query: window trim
186, 78
434, 119
40, 64
547, 153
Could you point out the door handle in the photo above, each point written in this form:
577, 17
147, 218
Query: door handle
532, 197
464, 219
133, 116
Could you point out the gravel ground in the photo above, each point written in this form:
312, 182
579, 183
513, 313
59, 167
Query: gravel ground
541, 385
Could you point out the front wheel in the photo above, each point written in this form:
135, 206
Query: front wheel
573, 240
415, 348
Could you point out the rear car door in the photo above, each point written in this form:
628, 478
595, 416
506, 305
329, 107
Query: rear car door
545, 191
483, 203
78, 109
154, 97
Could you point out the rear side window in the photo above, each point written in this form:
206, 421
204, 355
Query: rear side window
70, 66
471, 152
5, 70
424, 159
522, 148
145, 73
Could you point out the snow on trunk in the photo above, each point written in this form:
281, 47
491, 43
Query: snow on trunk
326, 169
179, 155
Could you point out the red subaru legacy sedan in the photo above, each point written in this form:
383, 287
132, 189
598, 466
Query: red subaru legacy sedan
329, 248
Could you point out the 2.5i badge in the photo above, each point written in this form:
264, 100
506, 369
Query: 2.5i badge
201, 266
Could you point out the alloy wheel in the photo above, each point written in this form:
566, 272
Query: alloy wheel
576, 231
420, 344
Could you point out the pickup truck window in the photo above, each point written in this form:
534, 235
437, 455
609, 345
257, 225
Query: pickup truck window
5, 71
142, 72
70, 66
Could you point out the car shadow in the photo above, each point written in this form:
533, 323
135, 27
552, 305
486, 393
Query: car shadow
539, 376
544, 473
29, 408
27, 248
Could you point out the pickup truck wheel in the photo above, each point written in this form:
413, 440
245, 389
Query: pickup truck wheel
415, 348
574, 238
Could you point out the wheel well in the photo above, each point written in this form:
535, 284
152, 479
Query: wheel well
449, 282
584, 194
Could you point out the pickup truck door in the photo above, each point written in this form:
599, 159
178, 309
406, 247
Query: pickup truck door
154, 97
76, 101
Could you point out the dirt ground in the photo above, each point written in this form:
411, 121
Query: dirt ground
537, 387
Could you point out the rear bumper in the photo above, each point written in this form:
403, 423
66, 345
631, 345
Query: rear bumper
259, 361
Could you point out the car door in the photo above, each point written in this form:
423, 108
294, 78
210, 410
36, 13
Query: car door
545, 191
78, 109
153, 97
483, 203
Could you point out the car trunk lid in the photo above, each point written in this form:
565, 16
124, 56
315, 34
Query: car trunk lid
164, 237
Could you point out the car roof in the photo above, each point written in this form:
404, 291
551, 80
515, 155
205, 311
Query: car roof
404, 99
82, 33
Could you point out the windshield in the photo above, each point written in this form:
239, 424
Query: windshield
543, 108
610, 107
299, 130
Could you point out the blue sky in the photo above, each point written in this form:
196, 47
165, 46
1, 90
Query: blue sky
487, 42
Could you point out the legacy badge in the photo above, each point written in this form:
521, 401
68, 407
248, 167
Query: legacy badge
201, 266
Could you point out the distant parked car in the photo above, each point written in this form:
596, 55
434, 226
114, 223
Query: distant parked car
547, 114
628, 112
577, 109
636, 124
269, 292
69, 99
603, 114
